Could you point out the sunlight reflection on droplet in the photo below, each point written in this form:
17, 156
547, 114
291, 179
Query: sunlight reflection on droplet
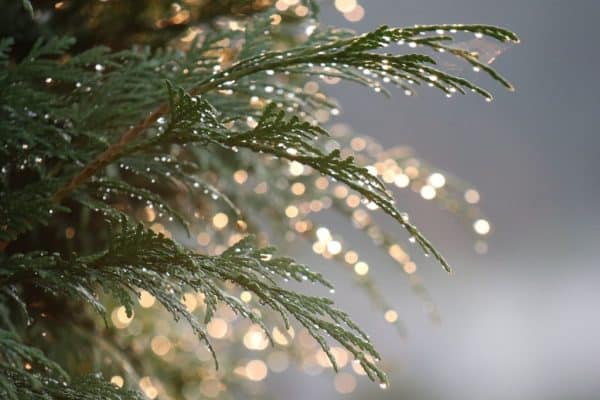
345, 6
472, 196
428, 192
481, 226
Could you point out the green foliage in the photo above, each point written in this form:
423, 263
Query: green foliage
28, 7
165, 269
90, 138
27, 207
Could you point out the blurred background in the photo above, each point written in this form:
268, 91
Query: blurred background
520, 322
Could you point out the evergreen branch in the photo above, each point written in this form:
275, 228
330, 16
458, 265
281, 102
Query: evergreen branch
109, 155
164, 170
164, 269
18, 384
67, 118
26, 373
107, 186
22, 210
14, 352
343, 55
291, 140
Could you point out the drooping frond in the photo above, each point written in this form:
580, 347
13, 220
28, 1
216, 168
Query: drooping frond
139, 259
291, 139
28, 374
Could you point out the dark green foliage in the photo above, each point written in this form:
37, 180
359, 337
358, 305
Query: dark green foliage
38, 210
89, 138
137, 258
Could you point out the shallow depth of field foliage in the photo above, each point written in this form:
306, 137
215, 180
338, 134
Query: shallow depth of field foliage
151, 151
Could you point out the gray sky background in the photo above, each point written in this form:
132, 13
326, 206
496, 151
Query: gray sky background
521, 322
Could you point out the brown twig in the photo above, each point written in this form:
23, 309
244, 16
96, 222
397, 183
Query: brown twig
116, 149
110, 154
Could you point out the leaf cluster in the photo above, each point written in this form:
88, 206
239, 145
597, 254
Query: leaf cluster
90, 138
